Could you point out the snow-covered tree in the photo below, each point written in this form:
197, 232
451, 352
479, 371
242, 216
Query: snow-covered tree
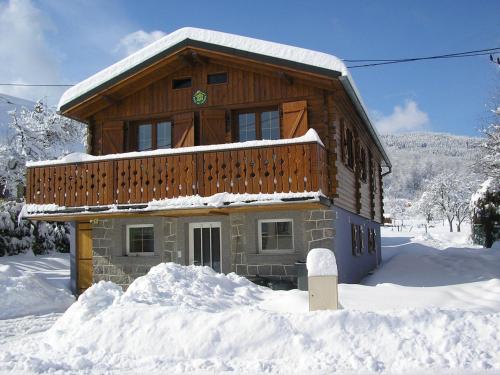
450, 194
490, 159
425, 207
37, 134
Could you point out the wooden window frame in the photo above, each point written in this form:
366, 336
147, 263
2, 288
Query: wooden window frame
274, 251
258, 126
134, 127
146, 253
216, 73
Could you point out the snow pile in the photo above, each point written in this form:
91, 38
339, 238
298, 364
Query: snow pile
189, 319
23, 293
309, 137
321, 262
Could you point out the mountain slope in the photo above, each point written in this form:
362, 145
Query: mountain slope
420, 156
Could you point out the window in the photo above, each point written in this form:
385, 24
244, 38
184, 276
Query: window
246, 127
276, 235
216, 78
164, 135
181, 83
270, 125
145, 137
150, 136
258, 124
140, 239
357, 239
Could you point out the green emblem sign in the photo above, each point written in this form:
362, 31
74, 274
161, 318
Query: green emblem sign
200, 97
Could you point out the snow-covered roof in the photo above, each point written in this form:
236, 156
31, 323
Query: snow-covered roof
277, 53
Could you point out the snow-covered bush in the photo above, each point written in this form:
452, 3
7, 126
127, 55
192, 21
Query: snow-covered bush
20, 236
485, 205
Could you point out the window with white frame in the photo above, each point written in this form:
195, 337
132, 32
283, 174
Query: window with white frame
276, 235
140, 239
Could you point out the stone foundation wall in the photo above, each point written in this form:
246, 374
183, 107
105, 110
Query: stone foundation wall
122, 270
317, 226
312, 228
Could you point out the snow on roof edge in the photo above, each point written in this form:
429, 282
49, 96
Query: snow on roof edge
310, 137
257, 46
219, 200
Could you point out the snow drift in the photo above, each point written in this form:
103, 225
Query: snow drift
27, 293
185, 319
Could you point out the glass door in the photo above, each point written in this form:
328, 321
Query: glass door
205, 245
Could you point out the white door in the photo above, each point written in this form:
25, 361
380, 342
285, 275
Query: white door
205, 245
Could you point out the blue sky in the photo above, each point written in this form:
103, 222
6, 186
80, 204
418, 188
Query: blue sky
66, 41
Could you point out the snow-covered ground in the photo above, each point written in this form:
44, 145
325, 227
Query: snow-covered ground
433, 306
32, 284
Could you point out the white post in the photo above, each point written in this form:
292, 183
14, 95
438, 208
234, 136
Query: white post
323, 280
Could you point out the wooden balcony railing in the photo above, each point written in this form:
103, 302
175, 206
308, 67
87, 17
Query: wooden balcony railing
283, 168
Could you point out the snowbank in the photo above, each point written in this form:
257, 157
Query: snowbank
189, 319
321, 262
26, 293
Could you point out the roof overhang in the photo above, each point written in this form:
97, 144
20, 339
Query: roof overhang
87, 214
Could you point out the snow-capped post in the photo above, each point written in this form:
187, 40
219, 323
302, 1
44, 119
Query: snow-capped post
322, 275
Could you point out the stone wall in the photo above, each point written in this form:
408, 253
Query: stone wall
110, 264
319, 227
312, 228
316, 226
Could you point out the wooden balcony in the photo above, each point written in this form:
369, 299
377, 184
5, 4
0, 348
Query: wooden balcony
296, 167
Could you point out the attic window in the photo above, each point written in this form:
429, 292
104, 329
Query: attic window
181, 83
217, 78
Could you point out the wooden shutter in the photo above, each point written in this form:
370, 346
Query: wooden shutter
213, 126
353, 239
112, 137
342, 141
183, 130
294, 122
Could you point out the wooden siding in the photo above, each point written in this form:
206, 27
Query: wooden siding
352, 193
284, 168
151, 96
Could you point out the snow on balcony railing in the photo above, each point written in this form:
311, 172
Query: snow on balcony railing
257, 167
310, 136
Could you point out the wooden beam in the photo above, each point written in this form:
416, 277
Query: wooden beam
87, 216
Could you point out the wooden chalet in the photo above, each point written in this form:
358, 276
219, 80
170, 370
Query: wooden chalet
214, 149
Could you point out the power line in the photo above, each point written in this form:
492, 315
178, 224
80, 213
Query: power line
489, 50
370, 63
389, 62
